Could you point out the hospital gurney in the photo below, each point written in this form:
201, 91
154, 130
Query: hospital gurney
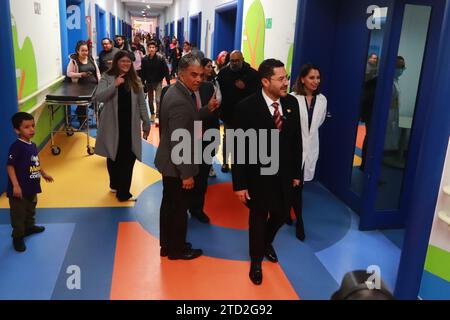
66, 95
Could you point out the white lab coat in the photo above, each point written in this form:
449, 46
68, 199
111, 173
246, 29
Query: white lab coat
310, 137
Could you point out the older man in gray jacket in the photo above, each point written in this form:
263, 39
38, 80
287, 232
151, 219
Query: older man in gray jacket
179, 111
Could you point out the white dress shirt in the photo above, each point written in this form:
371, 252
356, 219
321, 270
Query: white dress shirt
269, 103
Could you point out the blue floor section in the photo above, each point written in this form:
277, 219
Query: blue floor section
359, 250
33, 274
396, 236
86, 237
434, 287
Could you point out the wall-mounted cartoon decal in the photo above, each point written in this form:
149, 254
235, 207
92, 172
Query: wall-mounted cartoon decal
254, 34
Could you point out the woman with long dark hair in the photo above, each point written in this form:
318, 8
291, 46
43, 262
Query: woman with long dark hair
123, 118
175, 56
313, 110
82, 69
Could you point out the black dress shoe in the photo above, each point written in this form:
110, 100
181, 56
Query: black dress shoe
164, 252
33, 230
300, 233
200, 216
225, 168
270, 254
19, 244
256, 273
186, 255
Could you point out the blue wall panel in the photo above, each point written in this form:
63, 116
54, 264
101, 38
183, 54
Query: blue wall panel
8, 89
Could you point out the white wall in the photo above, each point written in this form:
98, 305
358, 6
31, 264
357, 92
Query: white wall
148, 25
280, 37
412, 48
46, 39
187, 8
440, 234
116, 7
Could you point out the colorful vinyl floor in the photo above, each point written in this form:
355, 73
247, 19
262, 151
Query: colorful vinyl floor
111, 250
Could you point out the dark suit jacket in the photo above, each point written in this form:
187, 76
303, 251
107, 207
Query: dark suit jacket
154, 69
209, 119
368, 100
231, 95
273, 192
178, 111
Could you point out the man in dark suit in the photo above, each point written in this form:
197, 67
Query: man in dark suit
268, 195
237, 81
209, 115
178, 112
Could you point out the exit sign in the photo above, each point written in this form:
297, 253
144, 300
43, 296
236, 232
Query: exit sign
269, 23
37, 8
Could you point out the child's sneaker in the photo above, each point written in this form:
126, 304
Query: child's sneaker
19, 244
33, 230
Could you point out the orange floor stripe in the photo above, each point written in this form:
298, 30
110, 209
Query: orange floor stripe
153, 138
140, 274
224, 208
360, 137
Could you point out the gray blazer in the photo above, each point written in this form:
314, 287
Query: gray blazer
178, 112
107, 142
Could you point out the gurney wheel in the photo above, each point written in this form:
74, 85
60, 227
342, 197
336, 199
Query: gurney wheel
56, 150
90, 150
69, 132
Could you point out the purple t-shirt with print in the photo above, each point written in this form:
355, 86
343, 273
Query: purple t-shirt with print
23, 156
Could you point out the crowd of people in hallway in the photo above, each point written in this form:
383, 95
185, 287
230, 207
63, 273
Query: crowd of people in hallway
180, 87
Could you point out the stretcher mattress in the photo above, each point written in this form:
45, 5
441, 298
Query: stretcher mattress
68, 91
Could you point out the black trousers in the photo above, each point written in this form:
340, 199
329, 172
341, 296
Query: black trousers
364, 148
22, 213
200, 188
82, 114
174, 68
173, 215
263, 227
225, 152
121, 172
297, 205
297, 202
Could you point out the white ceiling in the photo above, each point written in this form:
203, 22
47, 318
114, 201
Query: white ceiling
157, 7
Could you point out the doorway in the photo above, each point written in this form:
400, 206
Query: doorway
343, 82
180, 31
112, 26
225, 30
100, 16
75, 25
374, 64
195, 29
172, 30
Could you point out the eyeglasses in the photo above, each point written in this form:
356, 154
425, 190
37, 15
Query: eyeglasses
282, 79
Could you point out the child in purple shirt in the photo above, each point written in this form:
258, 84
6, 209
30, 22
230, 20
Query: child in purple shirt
24, 173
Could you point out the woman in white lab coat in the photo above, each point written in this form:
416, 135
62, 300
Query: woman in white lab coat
313, 110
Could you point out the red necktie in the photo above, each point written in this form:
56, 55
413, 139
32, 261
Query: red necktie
277, 116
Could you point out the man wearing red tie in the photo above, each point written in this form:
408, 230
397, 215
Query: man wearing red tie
268, 195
